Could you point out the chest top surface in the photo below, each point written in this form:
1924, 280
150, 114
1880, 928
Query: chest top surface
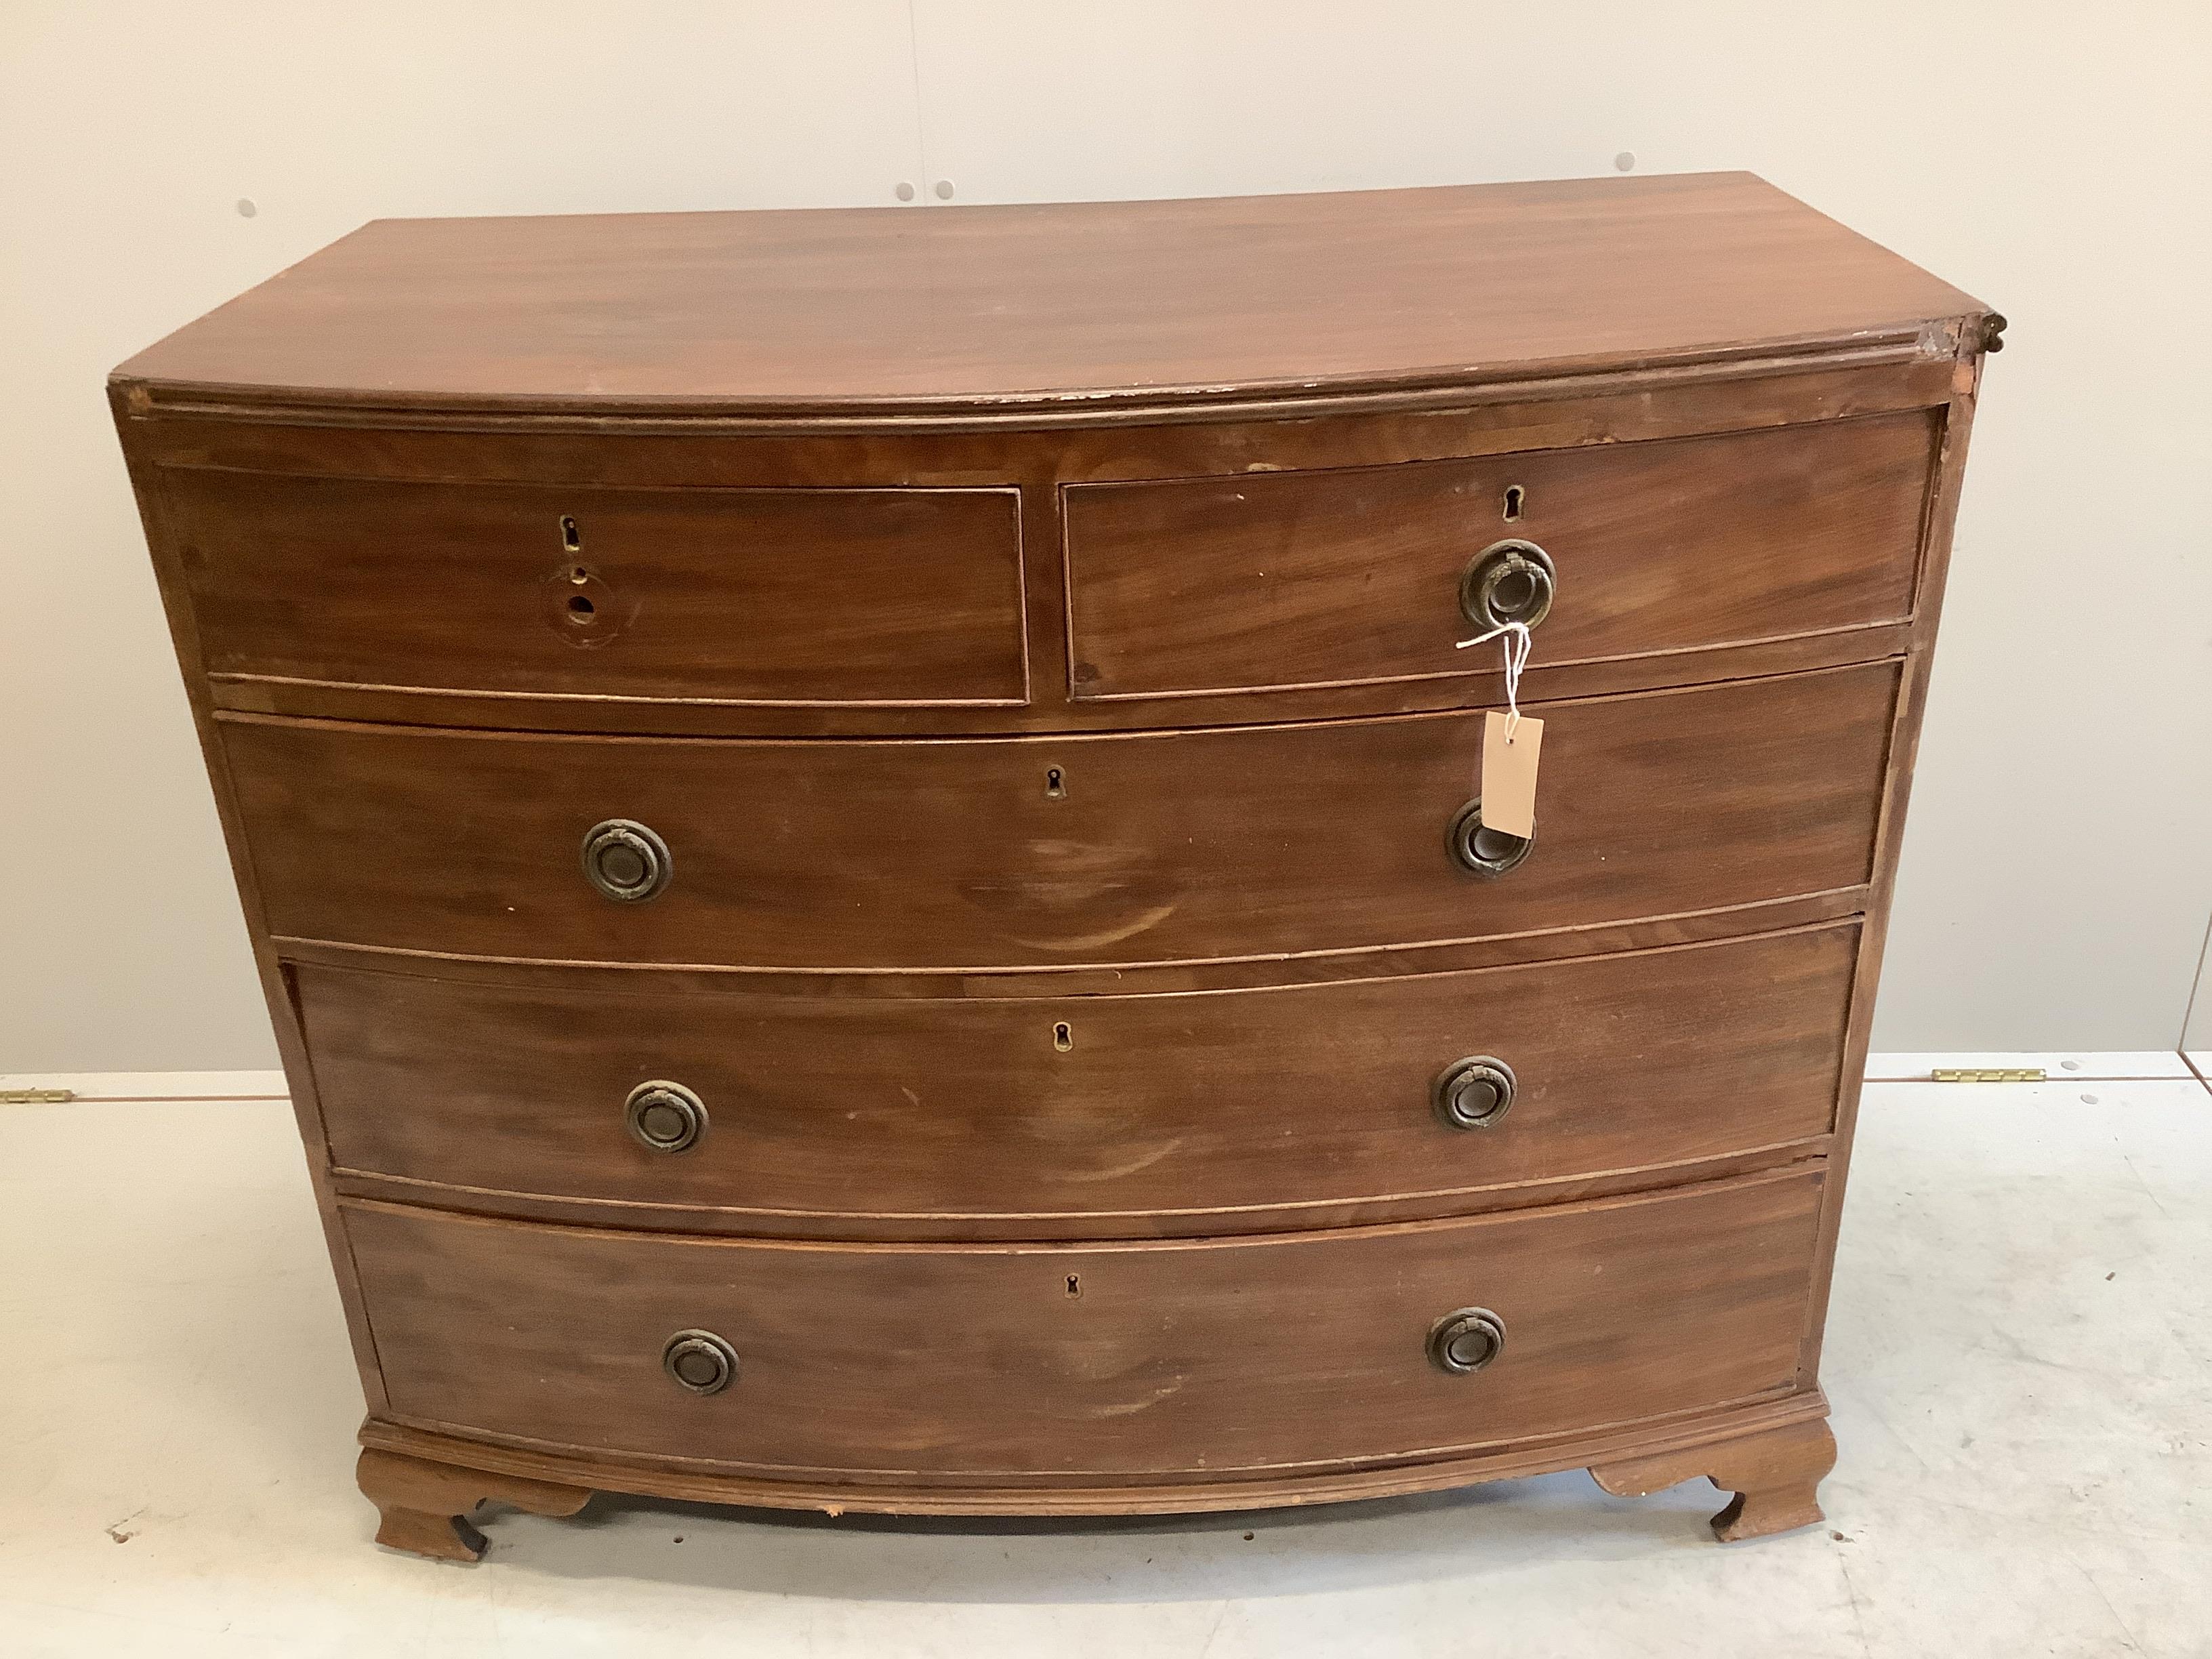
1043, 307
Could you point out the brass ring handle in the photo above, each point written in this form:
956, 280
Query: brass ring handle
1484, 851
1474, 1093
1508, 582
1464, 1342
700, 1361
665, 1117
625, 860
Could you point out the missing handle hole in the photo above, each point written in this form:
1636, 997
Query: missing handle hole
1516, 498
1055, 786
1063, 1037
581, 610
571, 538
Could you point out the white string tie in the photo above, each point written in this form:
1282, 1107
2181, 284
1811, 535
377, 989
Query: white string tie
1516, 646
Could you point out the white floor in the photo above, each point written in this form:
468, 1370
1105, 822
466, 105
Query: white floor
2020, 1354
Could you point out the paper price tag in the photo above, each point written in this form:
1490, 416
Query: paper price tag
1509, 773
1510, 742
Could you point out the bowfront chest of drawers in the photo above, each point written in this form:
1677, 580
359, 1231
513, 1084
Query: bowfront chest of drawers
862, 830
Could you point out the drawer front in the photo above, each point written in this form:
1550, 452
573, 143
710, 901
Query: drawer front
1353, 575
768, 596
1025, 852
1242, 1110
1100, 1360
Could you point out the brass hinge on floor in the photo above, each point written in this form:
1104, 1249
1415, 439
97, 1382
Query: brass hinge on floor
35, 1096
2011, 1074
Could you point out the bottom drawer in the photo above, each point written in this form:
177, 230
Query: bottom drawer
1038, 1362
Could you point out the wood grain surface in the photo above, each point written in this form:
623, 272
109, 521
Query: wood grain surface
1055, 1361
1135, 303
1246, 1109
1351, 575
750, 596
476, 1464
1066, 1013
1193, 845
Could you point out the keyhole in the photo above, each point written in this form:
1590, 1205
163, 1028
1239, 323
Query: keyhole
1074, 1285
1062, 1038
581, 610
1514, 495
1054, 789
571, 538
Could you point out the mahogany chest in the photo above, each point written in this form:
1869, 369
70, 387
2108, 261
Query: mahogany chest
863, 829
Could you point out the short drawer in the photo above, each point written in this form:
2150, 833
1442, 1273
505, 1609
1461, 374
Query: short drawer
1355, 575
1234, 1110
1036, 852
835, 597
1039, 1362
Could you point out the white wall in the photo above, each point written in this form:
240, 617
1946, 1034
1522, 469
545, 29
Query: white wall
2197, 1034
2047, 157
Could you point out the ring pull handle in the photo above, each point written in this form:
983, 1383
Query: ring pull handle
626, 860
665, 1117
1463, 1343
1486, 852
1474, 1093
700, 1361
1508, 582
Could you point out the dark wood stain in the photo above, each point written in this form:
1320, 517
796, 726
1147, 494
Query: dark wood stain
1032, 630
1315, 578
1189, 1356
1192, 845
1247, 1108
1130, 302
806, 596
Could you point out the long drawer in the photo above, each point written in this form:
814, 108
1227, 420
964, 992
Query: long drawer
1249, 841
1239, 1110
1037, 1362
1354, 574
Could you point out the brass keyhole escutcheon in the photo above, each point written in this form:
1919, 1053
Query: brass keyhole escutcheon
578, 601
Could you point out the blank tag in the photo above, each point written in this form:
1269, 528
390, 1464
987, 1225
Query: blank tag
1508, 774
